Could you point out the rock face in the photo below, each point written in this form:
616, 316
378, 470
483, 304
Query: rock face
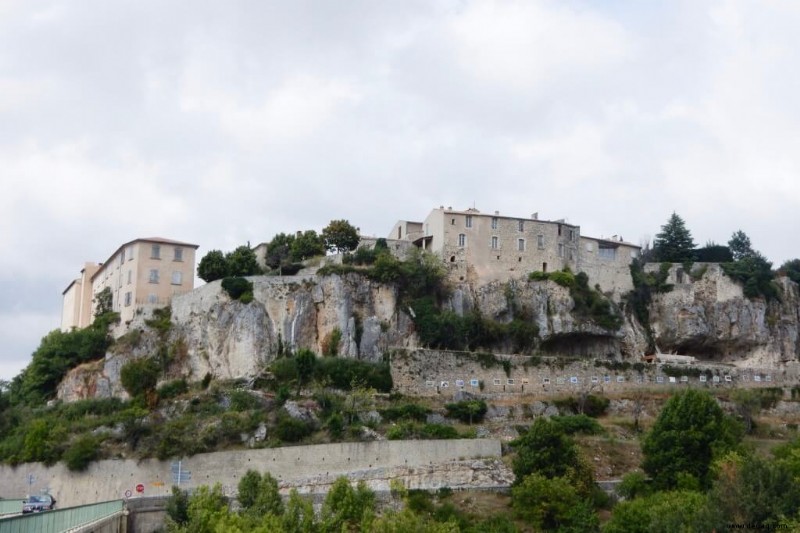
211, 334
711, 319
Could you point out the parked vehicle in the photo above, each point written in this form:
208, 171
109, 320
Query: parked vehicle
37, 504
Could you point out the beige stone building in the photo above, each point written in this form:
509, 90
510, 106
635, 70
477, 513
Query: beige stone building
141, 272
479, 247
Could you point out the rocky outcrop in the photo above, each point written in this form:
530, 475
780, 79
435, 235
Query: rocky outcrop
707, 317
711, 319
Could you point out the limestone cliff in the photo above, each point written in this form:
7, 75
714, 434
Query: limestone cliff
210, 333
710, 318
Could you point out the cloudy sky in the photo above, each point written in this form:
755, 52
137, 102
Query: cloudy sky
225, 122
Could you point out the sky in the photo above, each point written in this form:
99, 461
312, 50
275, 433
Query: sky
222, 123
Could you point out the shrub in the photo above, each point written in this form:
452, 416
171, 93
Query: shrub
81, 453
242, 400
578, 424
467, 410
593, 406
140, 376
407, 411
290, 429
438, 431
237, 288
173, 388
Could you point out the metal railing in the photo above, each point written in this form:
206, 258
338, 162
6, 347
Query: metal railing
61, 519
10, 507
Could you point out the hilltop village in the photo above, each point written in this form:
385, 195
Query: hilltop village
467, 327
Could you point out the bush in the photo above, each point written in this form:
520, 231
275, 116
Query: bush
243, 401
173, 388
407, 411
140, 376
578, 424
81, 453
238, 288
290, 429
593, 406
467, 410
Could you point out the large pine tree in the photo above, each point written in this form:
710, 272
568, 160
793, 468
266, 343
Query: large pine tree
674, 244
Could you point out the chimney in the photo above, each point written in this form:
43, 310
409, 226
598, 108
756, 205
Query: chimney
497, 212
535, 216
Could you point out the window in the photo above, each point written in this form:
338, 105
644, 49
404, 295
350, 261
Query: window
452, 222
177, 277
155, 252
130, 275
522, 225
540, 242
130, 253
178, 254
494, 243
588, 247
127, 299
571, 254
494, 222
572, 234
509, 382
153, 275
633, 254
462, 240
469, 221
559, 230
152, 299
521, 245
560, 250
607, 253
122, 257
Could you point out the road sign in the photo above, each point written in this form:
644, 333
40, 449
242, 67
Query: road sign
179, 475
139, 488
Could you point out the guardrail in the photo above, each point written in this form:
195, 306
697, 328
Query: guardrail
10, 507
60, 520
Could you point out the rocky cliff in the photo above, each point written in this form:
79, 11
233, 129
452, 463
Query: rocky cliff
708, 317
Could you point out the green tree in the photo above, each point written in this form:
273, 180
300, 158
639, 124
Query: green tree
674, 244
791, 269
346, 508
740, 245
340, 236
104, 302
258, 494
552, 504
242, 262
178, 507
299, 515
690, 431
662, 512
212, 266
544, 449
755, 274
279, 250
306, 364
308, 244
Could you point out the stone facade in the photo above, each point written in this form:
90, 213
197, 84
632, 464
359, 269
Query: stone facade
432, 373
481, 248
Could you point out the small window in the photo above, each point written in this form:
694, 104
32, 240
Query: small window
659, 379
684, 379
540, 242
572, 234
571, 254
521, 245
127, 299
595, 379
155, 252
573, 380
509, 382
462, 240
522, 225
546, 381
178, 254
767, 378
497, 381
607, 379
469, 221
588, 247
559, 230
494, 222
620, 379
703, 379
452, 222
560, 381
177, 277
459, 383
153, 275
474, 383
757, 377
672, 379
494, 243
607, 253
560, 250
152, 298
633, 254
728, 379
430, 384
444, 384
716, 379
130, 276
122, 257
130, 253
525, 381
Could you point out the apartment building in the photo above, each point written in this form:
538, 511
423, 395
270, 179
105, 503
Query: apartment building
145, 271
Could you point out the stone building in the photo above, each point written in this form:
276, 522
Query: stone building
147, 271
481, 248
